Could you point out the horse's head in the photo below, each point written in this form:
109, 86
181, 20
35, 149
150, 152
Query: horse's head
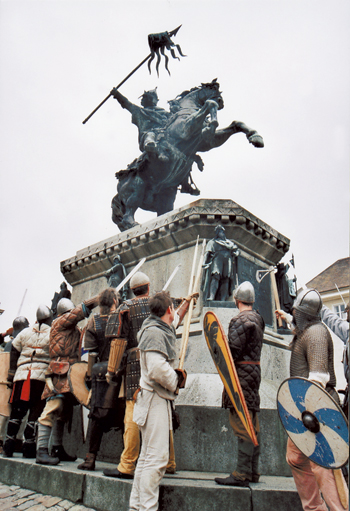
211, 91
198, 96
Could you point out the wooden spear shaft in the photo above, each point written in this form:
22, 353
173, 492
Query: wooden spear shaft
275, 294
190, 286
187, 324
190, 290
341, 487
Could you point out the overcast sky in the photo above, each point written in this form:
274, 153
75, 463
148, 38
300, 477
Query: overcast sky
283, 67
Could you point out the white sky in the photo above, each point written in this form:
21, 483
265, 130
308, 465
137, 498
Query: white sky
283, 67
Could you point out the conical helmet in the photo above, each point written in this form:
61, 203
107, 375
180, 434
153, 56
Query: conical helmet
19, 324
64, 305
43, 312
245, 293
309, 302
139, 279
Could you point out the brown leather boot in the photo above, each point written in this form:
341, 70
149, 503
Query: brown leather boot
89, 463
59, 452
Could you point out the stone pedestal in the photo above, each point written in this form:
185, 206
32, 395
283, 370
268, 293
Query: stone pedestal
169, 240
205, 440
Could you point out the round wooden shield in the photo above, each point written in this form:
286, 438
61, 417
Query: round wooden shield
314, 422
77, 385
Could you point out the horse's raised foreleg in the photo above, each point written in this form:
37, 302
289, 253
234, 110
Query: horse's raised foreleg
222, 135
197, 119
213, 112
252, 135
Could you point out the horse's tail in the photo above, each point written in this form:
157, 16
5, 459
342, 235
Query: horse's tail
118, 210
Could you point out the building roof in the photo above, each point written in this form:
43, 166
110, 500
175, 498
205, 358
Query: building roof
337, 273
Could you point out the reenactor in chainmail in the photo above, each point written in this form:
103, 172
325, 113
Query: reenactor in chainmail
104, 396
311, 358
125, 323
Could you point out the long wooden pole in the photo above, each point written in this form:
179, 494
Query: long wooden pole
187, 324
341, 487
275, 294
190, 288
190, 285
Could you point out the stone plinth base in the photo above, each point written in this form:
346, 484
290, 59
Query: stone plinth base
205, 441
170, 240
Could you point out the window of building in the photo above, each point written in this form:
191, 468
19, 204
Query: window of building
340, 310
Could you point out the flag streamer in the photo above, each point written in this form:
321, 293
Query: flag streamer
158, 43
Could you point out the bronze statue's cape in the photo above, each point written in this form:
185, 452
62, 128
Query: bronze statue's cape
220, 351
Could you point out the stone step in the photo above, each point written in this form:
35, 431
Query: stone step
185, 490
204, 442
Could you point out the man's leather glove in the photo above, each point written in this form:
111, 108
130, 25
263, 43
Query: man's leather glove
182, 375
194, 296
112, 378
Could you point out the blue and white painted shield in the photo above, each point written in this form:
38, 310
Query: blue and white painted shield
314, 422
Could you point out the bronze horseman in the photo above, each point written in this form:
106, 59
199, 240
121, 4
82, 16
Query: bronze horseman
170, 142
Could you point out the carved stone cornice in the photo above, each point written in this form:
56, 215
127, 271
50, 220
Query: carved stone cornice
176, 230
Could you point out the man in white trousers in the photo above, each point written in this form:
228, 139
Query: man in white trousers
153, 407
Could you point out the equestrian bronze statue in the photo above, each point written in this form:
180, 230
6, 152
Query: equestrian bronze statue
170, 142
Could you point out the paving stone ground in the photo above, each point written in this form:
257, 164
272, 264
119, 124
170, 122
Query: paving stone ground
19, 499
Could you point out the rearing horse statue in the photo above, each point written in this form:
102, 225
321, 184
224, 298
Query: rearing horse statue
169, 142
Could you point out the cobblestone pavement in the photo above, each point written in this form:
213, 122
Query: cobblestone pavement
19, 499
